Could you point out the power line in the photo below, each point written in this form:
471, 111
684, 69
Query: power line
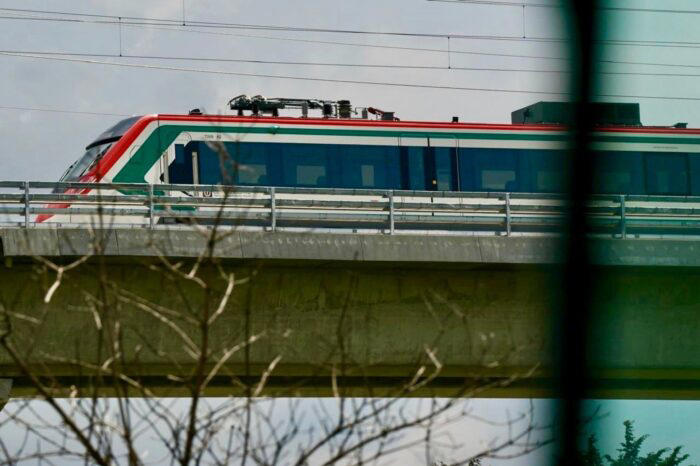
559, 5
350, 44
643, 63
179, 28
496, 3
137, 20
151, 22
360, 65
424, 49
366, 65
276, 76
331, 80
124, 21
55, 110
418, 49
280, 62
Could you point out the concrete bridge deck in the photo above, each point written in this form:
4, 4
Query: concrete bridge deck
363, 308
427, 249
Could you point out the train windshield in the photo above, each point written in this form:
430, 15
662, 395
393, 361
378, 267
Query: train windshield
95, 150
86, 162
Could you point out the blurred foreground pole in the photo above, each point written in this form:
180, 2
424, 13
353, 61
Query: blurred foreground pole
571, 326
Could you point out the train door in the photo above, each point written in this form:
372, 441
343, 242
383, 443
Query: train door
413, 150
429, 164
442, 164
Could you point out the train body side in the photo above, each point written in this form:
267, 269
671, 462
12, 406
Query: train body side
147, 151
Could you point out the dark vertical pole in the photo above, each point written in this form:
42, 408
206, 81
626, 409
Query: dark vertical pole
572, 325
405, 177
430, 168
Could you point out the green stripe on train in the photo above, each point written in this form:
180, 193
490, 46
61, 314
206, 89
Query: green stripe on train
162, 137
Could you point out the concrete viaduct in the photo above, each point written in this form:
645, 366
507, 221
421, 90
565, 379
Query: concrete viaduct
358, 310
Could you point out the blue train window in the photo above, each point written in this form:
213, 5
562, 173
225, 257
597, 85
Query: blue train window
252, 165
180, 170
368, 166
215, 164
546, 170
667, 173
305, 165
618, 173
489, 169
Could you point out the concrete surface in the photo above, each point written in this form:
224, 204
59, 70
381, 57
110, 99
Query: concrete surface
183, 242
363, 307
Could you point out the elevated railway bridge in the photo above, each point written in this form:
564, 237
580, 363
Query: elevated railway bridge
349, 286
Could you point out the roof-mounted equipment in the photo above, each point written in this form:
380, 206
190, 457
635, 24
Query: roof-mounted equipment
561, 113
388, 116
260, 106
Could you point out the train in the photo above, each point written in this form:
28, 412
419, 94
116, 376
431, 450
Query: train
346, 148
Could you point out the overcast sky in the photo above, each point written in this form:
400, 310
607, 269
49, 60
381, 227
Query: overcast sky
40, 145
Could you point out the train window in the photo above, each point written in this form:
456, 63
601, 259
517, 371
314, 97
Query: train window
367, 175
252, 163
311, 175
305, 165
498, 179
215, 166
180, 170
252, 173
667, 174
546, 170
367, 166
489, 169
618, 173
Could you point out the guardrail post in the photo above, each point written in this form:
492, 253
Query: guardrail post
507, 214
623, 220
391, 212
273, 210
26, 204
150, 206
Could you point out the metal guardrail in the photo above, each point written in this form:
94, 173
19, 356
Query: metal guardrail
389, 211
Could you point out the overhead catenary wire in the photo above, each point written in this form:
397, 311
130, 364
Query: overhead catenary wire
421, 49
56, 110
279, 62
406, 48
359, 65
149, 21
617, 42
349, 44
477, 2
172, 25
138, 20
201, 24
559, 5
276, 76
333, 80
178, 28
